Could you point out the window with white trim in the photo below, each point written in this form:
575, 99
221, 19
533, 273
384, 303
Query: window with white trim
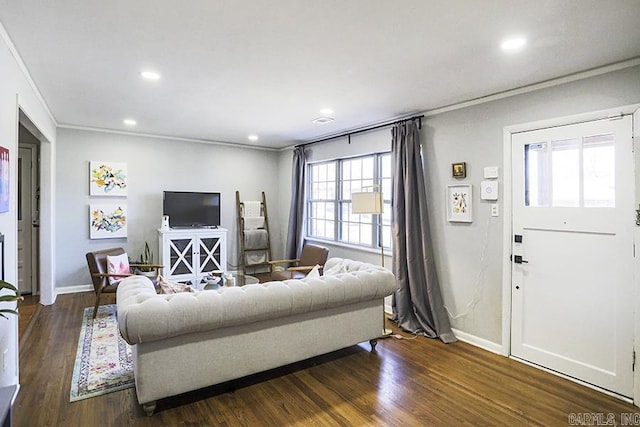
330, 184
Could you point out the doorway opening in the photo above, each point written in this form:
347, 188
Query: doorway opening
34, 258
28, 212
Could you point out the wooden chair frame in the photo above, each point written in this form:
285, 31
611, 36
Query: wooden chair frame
96, 262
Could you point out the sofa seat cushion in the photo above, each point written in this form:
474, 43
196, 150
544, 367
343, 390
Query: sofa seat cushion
144, 316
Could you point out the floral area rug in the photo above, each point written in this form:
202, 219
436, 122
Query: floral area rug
104, 362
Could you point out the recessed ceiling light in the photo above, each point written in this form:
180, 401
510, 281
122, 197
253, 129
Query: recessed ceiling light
253, 137
150, 75
130, 122
513, 44
322, 120
326, 111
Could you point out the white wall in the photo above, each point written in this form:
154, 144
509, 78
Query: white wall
469, 256
153, 165
15, 90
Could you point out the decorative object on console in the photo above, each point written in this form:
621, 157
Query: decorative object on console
372, 202
4, 179
459, 203
164, 226
229, 280
459, 170
213, 280
107, 179
108, 221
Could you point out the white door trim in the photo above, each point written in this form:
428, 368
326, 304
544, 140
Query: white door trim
508, 131
636, 235
47, 204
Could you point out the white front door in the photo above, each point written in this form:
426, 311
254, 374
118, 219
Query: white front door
573, 225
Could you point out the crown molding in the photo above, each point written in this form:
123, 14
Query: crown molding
25, 72
167, 137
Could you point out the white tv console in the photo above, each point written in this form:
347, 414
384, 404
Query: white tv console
190, 254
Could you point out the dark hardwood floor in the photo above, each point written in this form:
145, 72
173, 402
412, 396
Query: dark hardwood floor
28, 309
418, 382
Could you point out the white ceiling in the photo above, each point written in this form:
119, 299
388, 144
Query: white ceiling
233, 68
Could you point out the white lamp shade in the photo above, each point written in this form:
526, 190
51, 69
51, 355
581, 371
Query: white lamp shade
369, 202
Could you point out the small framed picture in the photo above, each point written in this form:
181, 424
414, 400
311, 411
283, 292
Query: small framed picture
459, 203
107, 221
107, 179
459, 170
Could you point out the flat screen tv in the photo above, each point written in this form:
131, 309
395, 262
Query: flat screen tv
188, 209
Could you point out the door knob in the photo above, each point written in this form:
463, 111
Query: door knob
518, 260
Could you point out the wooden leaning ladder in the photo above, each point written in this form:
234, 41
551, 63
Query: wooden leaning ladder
244, 251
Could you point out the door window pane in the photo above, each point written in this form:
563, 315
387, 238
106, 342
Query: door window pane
599, 171
571, 172
537, 175
565, 172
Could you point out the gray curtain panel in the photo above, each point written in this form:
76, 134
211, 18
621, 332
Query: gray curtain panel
295, 231
417, 304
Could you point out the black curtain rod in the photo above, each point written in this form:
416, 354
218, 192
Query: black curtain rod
367, 129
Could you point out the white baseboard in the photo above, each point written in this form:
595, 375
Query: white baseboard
74, 289
478, 342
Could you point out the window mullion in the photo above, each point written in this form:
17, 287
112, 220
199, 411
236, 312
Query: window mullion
337, 211
376, 220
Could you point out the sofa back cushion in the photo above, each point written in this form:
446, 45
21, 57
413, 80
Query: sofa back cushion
144, 316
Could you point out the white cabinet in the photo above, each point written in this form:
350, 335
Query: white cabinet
188, 255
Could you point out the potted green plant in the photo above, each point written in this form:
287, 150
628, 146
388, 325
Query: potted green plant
9, 297
144, 266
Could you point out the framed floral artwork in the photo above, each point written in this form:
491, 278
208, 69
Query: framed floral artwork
459, 203
107, 179
108, 221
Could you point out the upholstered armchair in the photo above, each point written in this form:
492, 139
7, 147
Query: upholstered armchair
97, 263
310, 256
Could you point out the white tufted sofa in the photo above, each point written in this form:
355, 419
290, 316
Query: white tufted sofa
186, 341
